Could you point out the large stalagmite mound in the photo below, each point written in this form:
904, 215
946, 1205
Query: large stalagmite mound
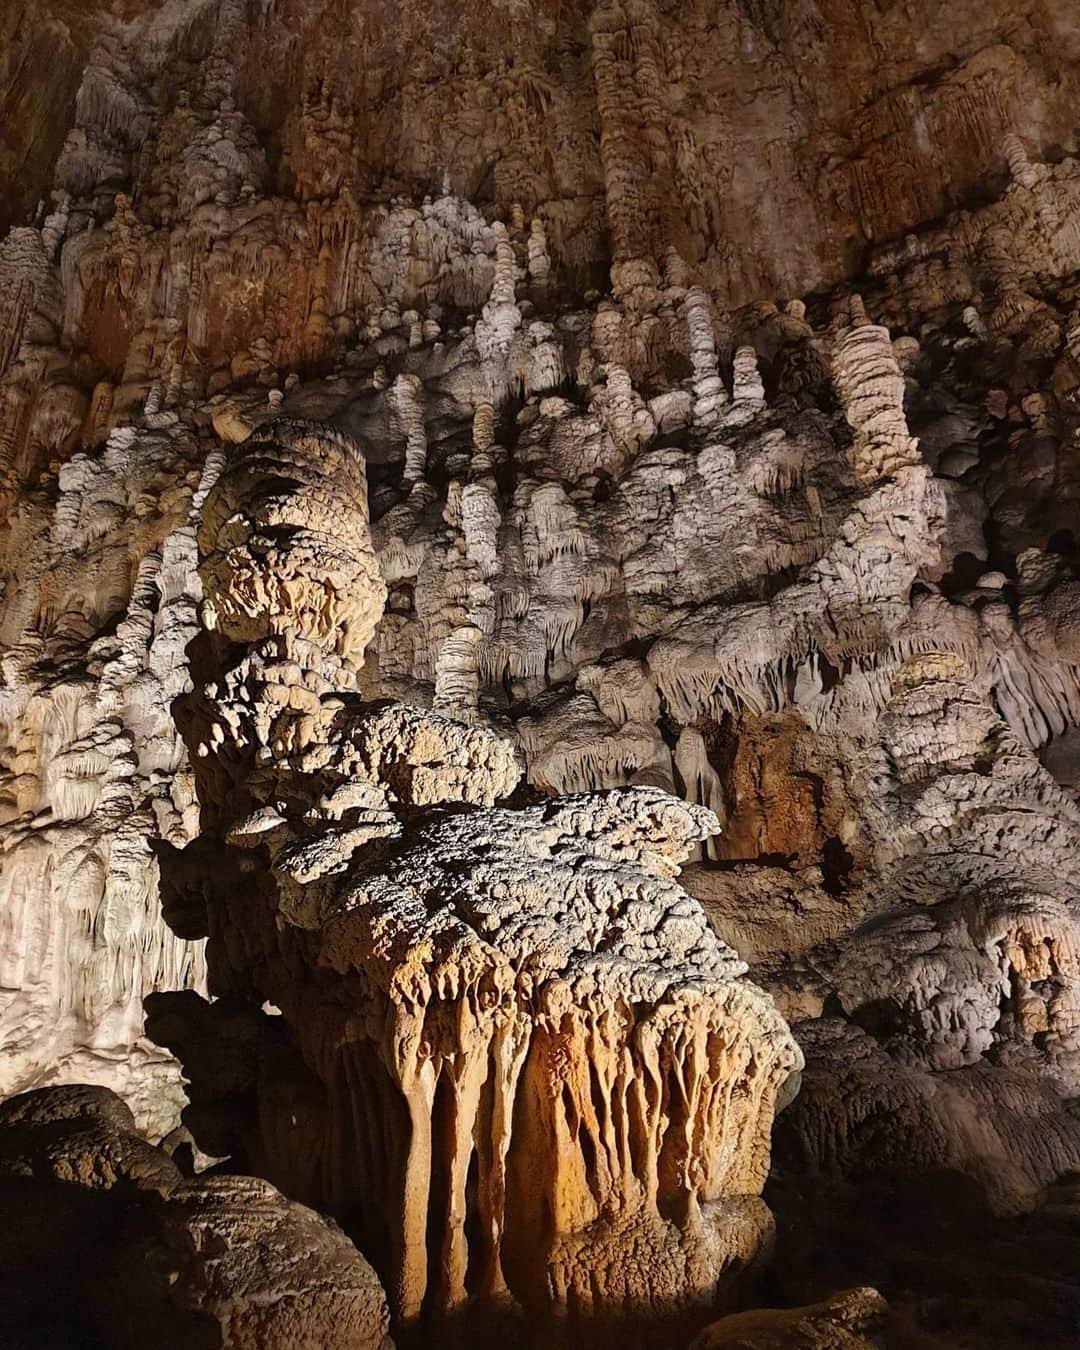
451, 459
535, 1076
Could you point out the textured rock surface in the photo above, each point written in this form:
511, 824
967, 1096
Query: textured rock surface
536, 1079
105, 1243
847, 1321
717, 370
262, 1271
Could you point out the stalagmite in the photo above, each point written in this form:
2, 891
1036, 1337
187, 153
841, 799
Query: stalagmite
285, 549
405, 397
871, 388
1020, 166
502, 972
483, 440
709, 392
402, 890
973, 322
501, 317
54, 227
539, 260
747, 379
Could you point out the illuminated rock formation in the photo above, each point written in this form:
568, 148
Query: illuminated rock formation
539, 1075
720, 429
96, 771
965, 954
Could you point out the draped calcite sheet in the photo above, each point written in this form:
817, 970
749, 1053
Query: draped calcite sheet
531, 1072
94, 772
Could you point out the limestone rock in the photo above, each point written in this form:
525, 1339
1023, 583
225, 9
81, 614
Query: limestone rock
81, 1136
526, 987
718, 432
290, 507
847, 1321
106, 1241
230, 1262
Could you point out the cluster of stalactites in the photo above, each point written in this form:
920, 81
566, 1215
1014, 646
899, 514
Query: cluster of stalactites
576, 1116
529, 988
563, 1028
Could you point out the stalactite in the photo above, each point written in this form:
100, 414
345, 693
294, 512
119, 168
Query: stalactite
613, 79
488, 1048
701, 782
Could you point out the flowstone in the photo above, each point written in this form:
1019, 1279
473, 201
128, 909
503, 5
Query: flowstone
531, 1073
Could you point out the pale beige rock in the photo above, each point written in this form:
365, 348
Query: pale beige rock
500, 972
96, 773
288, 519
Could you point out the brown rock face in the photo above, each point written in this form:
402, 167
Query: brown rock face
847, 1321
106, 1243
230, 1262
452, 459
628, 127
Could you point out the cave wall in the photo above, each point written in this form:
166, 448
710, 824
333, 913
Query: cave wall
716, 370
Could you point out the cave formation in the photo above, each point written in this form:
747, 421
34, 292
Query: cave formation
540, 674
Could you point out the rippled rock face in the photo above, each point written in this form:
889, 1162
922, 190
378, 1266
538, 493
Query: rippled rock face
452, 461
